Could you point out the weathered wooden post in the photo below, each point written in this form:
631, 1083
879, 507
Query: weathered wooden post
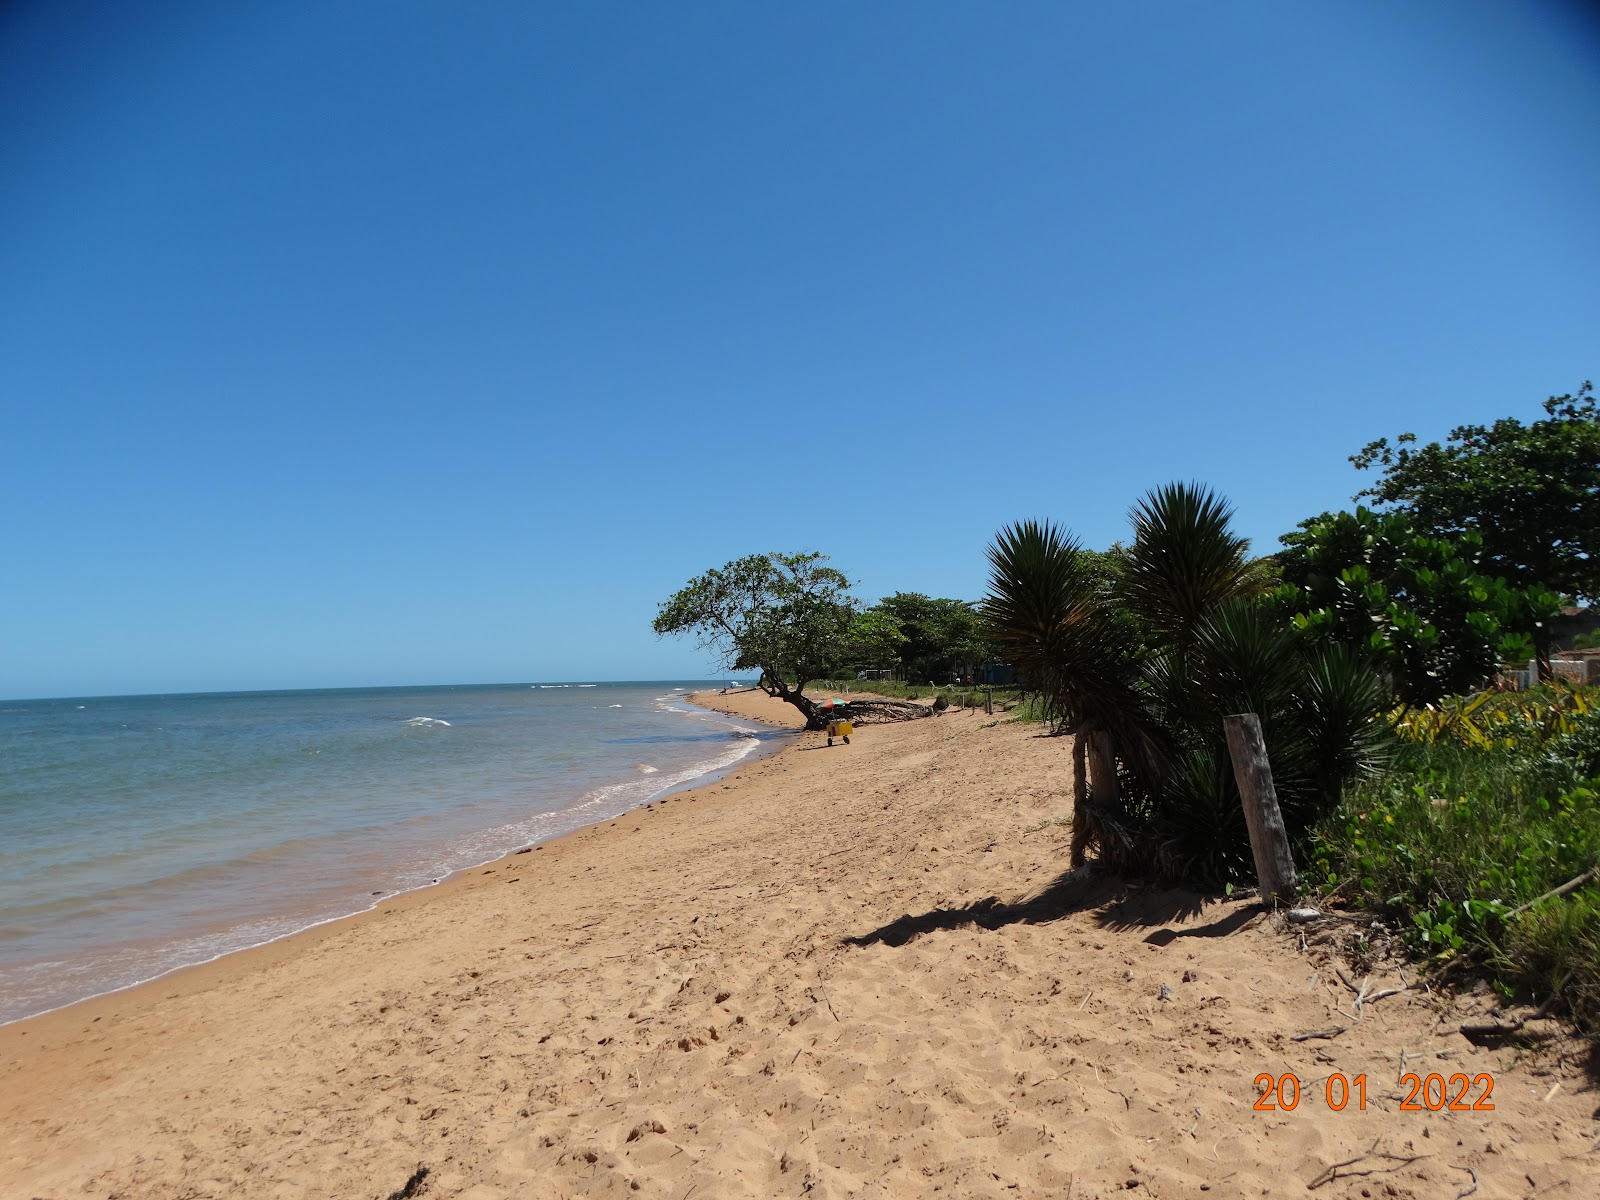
988, 701
1269, 841
1080, 799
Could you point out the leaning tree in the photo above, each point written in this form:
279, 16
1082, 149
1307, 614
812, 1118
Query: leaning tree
788, 616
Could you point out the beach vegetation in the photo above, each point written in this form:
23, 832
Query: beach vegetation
1530, 492
1468, 844
955, 695
1142, 662
943, 637
788, 616
1425, 610
875, 642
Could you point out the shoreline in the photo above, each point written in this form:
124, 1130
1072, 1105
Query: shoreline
831, 972
709, 776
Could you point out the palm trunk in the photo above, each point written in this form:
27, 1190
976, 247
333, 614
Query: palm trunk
1103, 772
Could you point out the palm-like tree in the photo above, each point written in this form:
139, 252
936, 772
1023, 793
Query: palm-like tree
1185, 561
1048, 609
1141, 670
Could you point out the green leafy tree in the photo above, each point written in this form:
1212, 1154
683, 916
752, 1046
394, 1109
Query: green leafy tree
875, 640
788, 616
1421, 608
1531, 492
941, 635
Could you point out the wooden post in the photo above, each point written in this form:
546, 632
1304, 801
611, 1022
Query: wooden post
988, 702
1269, 842
1080, 799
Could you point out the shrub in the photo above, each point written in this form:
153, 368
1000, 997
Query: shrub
1452, 841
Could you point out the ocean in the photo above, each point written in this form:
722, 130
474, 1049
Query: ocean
142, 834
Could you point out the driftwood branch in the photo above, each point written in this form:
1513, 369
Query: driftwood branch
883, 712
1570, 885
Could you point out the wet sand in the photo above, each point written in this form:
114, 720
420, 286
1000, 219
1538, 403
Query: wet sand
837, 972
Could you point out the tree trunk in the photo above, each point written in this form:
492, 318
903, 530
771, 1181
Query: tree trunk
1269, 841
1541, 652
1103, 772
780, 690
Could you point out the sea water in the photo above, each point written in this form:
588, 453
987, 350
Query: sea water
142, 834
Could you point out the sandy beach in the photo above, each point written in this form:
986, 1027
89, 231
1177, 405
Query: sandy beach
854, 971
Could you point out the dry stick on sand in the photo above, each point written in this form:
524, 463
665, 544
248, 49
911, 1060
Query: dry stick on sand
1332, 1031
1400, 1161
1386, 993
1462, 1195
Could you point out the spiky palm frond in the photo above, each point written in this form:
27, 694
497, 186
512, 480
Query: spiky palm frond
1337, 702
1185, 560
1243, 662
1200, 826
1047, 607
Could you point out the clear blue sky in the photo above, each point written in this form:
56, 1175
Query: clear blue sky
376, 342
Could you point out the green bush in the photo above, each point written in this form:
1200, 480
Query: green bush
1452, 841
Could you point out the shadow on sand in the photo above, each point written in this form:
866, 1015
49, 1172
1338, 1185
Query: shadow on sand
1115, 903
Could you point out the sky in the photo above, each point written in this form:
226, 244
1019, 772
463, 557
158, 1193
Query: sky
375, 343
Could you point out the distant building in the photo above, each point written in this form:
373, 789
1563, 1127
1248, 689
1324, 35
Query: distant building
1572, 666
1572, 624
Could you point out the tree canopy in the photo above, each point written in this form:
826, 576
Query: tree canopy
1530, 492
876, 640
939, 634
789, 616
1421, 609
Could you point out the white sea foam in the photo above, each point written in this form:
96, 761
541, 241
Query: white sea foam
616, 706
646, 769
601, 804
427, 722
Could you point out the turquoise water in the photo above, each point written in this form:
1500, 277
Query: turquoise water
141, 834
